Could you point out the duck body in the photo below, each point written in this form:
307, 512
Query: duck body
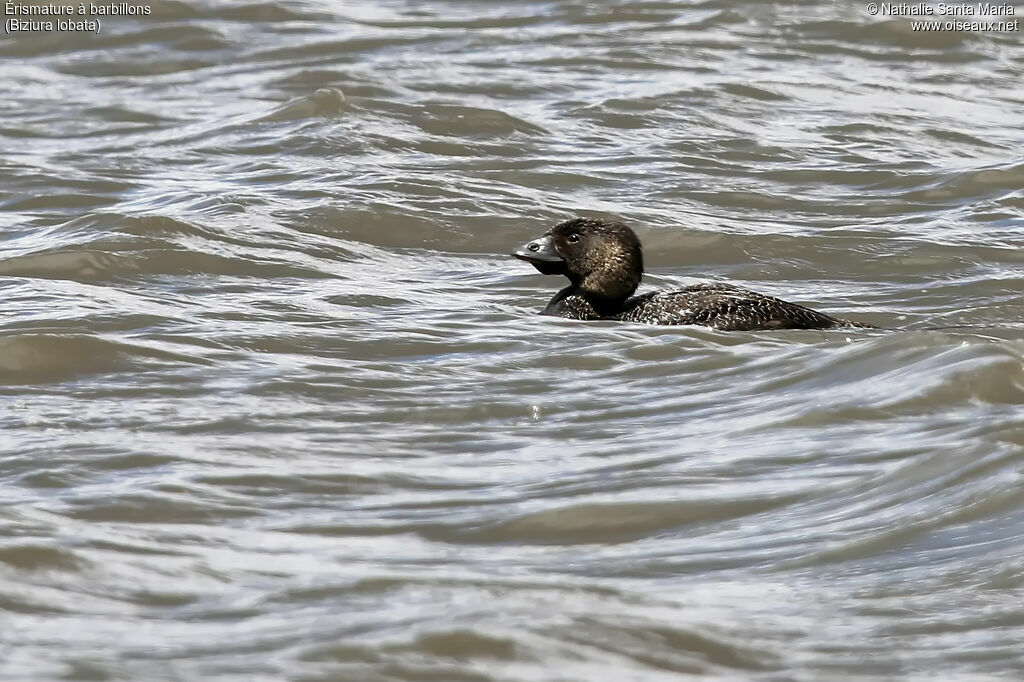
604, 264
721, 306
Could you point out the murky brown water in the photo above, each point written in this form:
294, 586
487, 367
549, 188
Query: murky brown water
275, 404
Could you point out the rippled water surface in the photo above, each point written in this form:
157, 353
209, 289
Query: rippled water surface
276, 404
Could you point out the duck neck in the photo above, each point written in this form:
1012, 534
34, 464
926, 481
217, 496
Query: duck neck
603, 304
608, 289
576, 304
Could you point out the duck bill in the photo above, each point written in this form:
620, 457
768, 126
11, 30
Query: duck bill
541, 254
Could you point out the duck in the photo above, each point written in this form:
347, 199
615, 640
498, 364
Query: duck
603, 261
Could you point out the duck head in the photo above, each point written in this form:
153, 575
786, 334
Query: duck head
601, 258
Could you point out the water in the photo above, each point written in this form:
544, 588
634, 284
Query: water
275, 404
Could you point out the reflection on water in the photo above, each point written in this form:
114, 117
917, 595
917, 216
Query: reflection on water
276, 404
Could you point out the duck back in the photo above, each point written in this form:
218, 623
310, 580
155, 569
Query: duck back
725, 307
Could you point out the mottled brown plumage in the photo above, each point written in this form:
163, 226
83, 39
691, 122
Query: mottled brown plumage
604, 264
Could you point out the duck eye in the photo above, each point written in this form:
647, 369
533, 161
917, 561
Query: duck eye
573, 238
